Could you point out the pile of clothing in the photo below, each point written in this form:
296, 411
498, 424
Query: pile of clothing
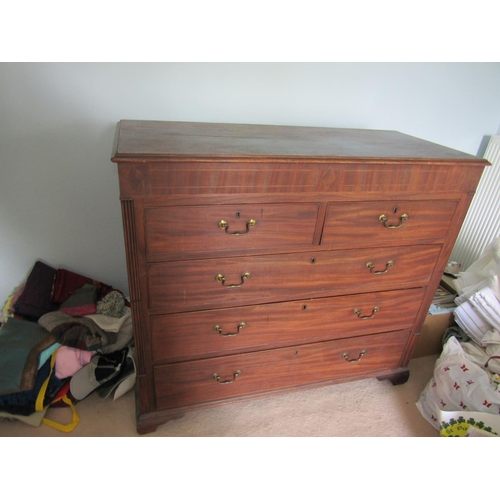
464, 391
63, 336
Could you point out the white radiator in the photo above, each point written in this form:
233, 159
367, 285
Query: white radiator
482, 223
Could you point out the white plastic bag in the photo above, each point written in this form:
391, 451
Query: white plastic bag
460, 383
485, 271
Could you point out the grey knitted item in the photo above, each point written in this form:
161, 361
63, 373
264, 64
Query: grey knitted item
113, 304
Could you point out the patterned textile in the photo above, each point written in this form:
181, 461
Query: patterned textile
113, 305
80, 333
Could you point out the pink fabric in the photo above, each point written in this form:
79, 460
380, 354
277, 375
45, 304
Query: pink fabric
69, 360
15, 297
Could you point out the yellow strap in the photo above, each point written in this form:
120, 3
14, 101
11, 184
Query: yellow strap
43, 390
65, 428
41, 396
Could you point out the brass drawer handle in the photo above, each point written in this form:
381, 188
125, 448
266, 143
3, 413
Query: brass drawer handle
236, 374
384, 219
346, 356
371, 267
224, 225
218, 329
221, 279
376, 309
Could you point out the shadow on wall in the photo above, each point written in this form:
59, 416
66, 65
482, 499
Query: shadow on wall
484, 144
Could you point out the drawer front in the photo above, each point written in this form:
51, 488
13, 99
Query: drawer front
219, 283
229, 227
225, 331
386, 222
218, 379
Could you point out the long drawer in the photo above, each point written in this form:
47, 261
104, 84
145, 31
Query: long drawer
217, 379
387, 222
218, 283
225, 331
229, 227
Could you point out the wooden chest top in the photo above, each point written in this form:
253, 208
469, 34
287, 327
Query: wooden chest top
175, 140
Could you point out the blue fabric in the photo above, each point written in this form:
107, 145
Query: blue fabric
24, 402
45, 355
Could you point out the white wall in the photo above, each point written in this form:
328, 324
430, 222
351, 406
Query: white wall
59, 190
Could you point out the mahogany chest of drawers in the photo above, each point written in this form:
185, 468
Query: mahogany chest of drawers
264, 259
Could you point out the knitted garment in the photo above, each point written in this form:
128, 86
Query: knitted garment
113, 304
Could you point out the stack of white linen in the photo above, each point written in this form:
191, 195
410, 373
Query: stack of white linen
478, 311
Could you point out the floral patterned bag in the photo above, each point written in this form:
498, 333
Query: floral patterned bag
460, 382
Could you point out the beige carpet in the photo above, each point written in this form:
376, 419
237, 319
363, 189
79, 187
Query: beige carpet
366, 408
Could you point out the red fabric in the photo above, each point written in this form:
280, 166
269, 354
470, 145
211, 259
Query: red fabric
66, 282
57, 400
58, 403
78, 311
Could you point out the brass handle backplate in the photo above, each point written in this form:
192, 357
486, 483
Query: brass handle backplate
224, 225
217, 378
371, 267
218, 329
221, 279
358, 313
385, 220
346, 356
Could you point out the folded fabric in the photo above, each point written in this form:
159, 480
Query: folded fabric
15, 297
491, 337
8, 310
5, 314
467, 292
66, 282
35, 301
472, 324
108, 323
80, 333
47, 353
454, 331
487, 306
69, 360
124, 337
21, 342
81, 302
101, 369
79, 311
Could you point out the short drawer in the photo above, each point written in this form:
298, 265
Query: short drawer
237, 281
227, 331
386, 222
218, 379
229, 227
